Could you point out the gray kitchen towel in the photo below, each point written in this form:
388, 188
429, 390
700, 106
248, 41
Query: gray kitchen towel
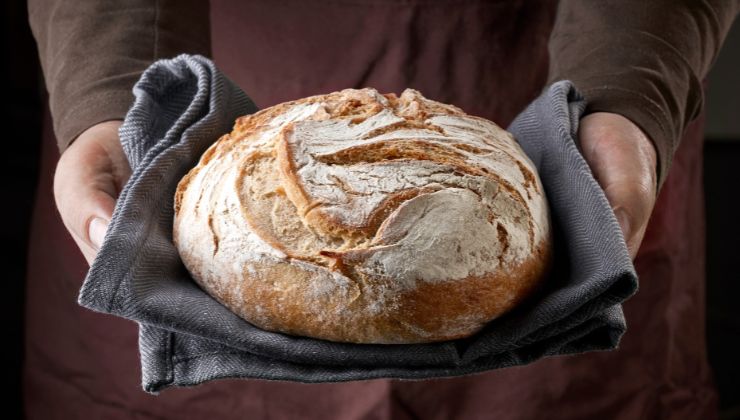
184, 104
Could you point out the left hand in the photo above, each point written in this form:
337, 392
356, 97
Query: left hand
623, 160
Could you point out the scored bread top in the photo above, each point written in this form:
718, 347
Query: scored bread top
346, 200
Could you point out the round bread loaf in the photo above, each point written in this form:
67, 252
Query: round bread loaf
365, 218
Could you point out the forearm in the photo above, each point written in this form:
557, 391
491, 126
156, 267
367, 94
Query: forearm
93, 51
642, 59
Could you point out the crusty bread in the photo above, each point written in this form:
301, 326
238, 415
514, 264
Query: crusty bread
365, 218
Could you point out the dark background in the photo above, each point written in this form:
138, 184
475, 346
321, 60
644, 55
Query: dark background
21, 144
722, 199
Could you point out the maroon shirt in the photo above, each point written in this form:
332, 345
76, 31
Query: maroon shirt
489, 58
642, 59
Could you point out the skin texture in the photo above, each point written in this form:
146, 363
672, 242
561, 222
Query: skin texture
87, 181
92, 171
623, 161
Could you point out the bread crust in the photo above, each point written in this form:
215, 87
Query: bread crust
365, 218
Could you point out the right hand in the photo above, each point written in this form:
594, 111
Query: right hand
89, 177
623, 161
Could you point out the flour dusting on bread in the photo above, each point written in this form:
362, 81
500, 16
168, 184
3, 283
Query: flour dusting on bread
362, 217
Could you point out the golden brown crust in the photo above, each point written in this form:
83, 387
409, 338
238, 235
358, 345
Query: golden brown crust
429, 313
365, 218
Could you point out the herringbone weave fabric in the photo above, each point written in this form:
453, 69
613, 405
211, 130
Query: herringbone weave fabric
184, 104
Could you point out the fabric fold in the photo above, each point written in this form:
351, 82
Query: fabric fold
185, 104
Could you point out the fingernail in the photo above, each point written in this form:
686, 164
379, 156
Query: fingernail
98, 227
623, 223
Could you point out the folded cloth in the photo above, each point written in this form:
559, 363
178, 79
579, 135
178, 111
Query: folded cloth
184, 104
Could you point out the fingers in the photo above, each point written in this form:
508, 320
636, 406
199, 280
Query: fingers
87, 181
623, 161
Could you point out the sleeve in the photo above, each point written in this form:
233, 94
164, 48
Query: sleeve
93, 51
642, 59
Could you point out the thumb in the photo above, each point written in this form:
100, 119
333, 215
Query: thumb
623, 161
96, 229
87, 182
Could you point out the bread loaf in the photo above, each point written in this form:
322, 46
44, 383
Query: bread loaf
365, 218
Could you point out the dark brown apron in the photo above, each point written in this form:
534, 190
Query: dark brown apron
488, 57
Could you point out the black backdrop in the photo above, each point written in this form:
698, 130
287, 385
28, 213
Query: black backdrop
21, 131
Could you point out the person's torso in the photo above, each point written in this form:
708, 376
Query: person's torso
487, 57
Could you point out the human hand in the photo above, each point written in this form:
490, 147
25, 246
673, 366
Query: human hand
623, 160
88, 179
